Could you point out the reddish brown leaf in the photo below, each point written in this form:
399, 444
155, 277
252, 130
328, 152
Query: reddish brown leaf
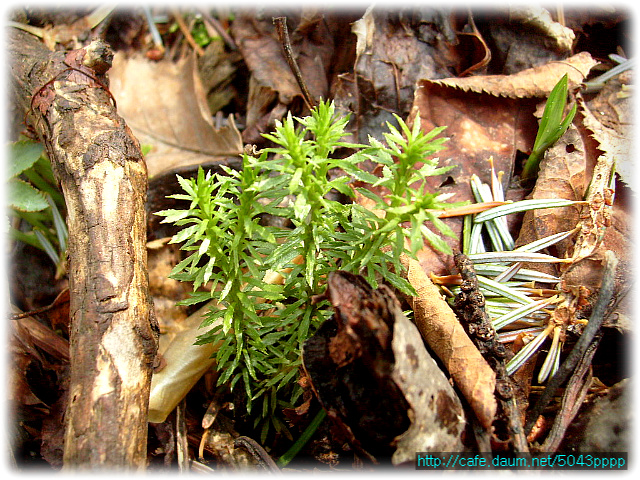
478, 127
43, 98
43, 337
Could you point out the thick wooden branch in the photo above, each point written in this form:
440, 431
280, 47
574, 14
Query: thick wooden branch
103, 176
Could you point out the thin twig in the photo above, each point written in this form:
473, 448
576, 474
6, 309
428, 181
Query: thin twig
38, 311
470, 306
577, 388
182, 444
186, 32
582, 345
258, 453
215, 23
283, 35
575, 393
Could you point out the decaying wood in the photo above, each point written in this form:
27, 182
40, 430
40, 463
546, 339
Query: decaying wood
350, 357
373, 375
103, 176
470, 307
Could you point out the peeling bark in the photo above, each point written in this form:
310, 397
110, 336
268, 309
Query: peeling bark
97, 161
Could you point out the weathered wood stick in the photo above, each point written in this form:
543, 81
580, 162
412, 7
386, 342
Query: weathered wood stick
100, 168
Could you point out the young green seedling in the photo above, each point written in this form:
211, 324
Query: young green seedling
552, 127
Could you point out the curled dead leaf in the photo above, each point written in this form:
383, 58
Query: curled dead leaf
532, 82
445, 335
563, 174
438, 419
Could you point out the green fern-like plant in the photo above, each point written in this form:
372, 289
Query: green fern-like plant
260, 326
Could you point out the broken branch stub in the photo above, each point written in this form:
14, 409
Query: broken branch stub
96, 159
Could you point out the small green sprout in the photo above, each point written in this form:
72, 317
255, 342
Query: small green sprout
552, 127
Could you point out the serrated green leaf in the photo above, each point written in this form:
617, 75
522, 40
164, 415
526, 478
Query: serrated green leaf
370, 195
204, 246
365, 176
187, 233
23, 154
187, 186
249, 363
196, 297
25, 198
188, 261
294, 184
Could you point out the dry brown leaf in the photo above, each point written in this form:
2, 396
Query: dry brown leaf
609, 118
441, 329
271, 82
71, 35
564, 173
598, 215
166, 291
493, 116
473, 46
256, 38
539, 19
37, 334
164, 105
53, 429
321, 44
392, 54
479, 126
617, 238
603, 225
218, 72
533, 82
